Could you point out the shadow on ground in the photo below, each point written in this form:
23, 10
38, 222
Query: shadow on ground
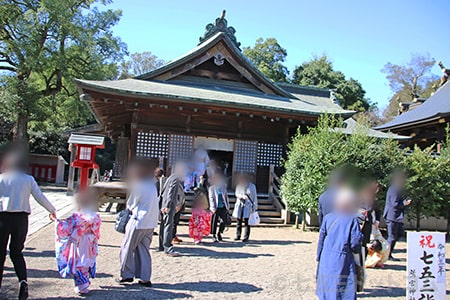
208, 252
383, 291
210, 287
395, 267
53, 273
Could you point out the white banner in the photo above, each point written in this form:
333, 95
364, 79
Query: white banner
426, 266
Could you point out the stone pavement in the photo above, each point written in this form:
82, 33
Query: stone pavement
279, 263
39, 215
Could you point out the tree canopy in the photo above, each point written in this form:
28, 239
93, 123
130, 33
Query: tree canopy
409, 80
312, 157
139, 63
44, 45
319, 72
268, 56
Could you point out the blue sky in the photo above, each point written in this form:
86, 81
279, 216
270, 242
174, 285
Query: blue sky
358, 36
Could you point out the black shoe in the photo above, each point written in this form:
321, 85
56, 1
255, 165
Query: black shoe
245, 240
219, 237
145, 283
214, 239
237, 238
124, 280
23, 290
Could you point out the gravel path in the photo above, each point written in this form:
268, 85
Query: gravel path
277, 264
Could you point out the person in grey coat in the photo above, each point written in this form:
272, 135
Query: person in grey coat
219, 205
172, 199
246, 203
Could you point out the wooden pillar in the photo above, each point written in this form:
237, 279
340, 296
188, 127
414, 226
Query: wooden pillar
133, 134
70, 179
271, 171
441, 132
121, 157
188, 123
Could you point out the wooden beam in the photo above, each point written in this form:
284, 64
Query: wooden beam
133, 133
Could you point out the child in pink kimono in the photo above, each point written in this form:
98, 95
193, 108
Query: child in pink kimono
77, 243
200, 222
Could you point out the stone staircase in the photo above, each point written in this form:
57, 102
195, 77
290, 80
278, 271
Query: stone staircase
268, 213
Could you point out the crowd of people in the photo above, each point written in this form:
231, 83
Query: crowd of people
153, 196
152, 199
350, 240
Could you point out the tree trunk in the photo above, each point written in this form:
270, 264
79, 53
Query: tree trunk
20, 132
304, 221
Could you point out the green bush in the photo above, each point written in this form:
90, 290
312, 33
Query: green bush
312, 157
428, 183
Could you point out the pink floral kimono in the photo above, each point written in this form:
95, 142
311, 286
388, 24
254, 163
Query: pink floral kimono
76, 247
199, 224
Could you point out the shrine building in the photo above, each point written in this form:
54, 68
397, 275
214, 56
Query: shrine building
212, 97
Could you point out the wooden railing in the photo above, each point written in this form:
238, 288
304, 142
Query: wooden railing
275, 194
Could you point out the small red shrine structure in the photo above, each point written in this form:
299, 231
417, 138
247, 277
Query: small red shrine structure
86, 145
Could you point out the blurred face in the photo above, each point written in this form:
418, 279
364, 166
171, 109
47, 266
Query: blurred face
180, 170
243, 180
400, 180
86, 199
346, 201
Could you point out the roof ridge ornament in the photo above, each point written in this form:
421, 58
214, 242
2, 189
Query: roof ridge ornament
221, 25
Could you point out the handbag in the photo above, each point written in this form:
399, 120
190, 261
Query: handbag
122, 220
228, 220
254, 219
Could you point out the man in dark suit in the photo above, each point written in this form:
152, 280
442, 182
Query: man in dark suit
394, 210
172, 195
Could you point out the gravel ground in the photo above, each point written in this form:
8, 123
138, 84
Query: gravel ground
279, 263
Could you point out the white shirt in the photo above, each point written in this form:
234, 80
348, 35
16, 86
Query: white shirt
15, 191
144, 204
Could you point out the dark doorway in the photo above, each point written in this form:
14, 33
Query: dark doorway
224, 159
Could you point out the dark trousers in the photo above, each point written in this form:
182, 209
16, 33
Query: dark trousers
14, 226
220, 216
239, 226
161, 232
167, 231
176, 221
395, 232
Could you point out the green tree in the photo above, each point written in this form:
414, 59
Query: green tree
319, 72
139, 63
428, 184
43, 46
312, 157
268, 56
410, 80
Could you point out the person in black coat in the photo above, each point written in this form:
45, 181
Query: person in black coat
394, 209
370, 213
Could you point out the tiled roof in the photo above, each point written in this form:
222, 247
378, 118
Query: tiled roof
353, 127
213, 95
436, 106
85, 139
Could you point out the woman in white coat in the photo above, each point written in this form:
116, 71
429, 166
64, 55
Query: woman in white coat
246, 203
